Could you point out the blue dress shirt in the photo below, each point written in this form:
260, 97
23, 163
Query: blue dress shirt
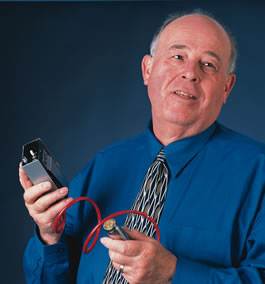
213, 218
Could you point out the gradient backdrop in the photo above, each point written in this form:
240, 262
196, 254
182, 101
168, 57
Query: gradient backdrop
70, 74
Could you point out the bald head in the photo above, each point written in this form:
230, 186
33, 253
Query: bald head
201, 21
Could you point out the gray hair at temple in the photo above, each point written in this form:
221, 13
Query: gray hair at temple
233, 55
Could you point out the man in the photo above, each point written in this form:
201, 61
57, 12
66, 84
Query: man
212, 222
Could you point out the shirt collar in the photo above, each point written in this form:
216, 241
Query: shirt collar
178, 153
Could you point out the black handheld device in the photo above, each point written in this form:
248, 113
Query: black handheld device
40, 166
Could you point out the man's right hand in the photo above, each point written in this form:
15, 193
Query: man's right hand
42, 207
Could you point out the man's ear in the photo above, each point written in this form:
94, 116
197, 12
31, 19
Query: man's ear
229, 84
147, 68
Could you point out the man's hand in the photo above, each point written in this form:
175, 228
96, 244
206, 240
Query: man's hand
41, 207
144, 259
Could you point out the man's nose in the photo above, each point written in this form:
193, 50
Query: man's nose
190, 73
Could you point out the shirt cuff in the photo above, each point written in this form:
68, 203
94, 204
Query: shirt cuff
187, 271
56, 253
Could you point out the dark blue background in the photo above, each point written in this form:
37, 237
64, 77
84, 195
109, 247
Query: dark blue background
70, 74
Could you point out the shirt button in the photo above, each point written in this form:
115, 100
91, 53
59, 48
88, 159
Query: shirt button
61, 250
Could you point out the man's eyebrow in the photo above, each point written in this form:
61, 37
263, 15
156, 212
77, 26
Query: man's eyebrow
182, 46
213, 54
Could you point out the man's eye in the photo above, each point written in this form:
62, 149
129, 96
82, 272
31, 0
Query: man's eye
178, 56
208, 64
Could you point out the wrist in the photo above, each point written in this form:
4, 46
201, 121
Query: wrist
48, 238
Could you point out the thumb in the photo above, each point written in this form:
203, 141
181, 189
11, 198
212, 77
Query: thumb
136, 235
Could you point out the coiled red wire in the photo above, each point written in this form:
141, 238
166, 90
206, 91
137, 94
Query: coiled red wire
61, 219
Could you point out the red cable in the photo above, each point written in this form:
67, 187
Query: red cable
97, 228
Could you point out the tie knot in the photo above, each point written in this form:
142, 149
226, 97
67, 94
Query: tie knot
161, 156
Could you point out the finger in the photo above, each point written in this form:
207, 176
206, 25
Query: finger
126, 269
136, 235
23, 178
115, 264
127, 248
112, 244
36, 191
51, 213
120, 258
45, 221
45, 201
128, 272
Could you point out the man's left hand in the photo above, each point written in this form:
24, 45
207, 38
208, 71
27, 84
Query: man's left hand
143, 259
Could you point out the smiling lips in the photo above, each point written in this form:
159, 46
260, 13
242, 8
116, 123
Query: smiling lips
184, 95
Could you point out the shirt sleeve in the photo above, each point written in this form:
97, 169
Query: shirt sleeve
193, 272
250, 270
46, 263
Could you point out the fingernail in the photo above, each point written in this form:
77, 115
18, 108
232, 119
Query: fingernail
63, 190
68, 200
47, 184
103, 241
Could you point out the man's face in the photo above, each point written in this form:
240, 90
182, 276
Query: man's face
187, 76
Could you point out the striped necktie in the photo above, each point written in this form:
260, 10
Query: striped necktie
150, 200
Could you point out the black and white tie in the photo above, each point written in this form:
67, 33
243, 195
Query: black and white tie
150, 200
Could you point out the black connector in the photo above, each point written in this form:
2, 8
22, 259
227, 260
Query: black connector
40, 166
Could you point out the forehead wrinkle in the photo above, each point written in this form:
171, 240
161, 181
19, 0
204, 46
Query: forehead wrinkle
178, 46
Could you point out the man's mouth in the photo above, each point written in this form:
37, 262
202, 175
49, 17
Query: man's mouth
184, 95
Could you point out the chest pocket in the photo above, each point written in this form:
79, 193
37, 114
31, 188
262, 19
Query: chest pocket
201, 245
